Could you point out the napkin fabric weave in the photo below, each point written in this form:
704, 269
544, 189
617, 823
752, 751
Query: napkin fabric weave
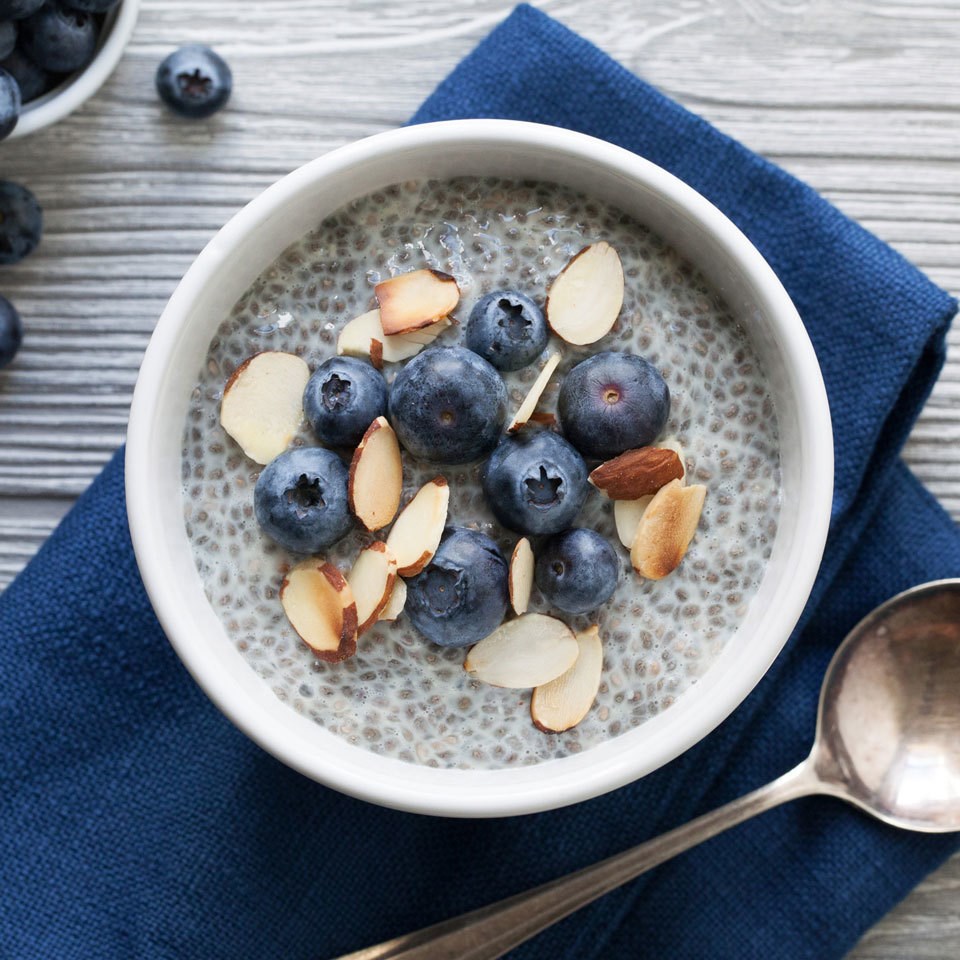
136, 822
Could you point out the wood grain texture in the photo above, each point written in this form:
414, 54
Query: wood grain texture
858, 97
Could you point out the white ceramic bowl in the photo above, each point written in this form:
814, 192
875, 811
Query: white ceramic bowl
79, 87
284, 213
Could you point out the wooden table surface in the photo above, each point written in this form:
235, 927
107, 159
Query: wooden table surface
858, 97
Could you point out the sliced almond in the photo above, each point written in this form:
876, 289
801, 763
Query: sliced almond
262, 405
371, 580
397, 601
626, 515
376, 476
563, 703
364, 337
415, 536
585, 300
413, 300
527, 652
521, 576
666, 529
674, 445
319, 604
532, 398
637, 473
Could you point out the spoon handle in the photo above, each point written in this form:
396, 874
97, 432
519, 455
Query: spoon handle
491, 931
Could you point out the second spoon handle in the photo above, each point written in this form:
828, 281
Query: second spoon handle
491, 931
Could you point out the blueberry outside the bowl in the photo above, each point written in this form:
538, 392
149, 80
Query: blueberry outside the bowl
8, 37
21, 222
342, 398
300, 499
535, 482
577, 570
507, 329
33, 81
18, 9
11, 332
447, 405
461, 596
194, 81
59, 39
613, 402
9, 103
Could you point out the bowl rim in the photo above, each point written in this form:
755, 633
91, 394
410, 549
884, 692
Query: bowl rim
469, 793
78, 88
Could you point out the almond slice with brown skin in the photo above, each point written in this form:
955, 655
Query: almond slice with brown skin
626, 515
371, 580
563, 703
637, 473
415, 536
532, 398
416, 299
397, 601
585, 299
262, 405
521, 576
376, 476
527, 652
319, 604
666, 529
363, 337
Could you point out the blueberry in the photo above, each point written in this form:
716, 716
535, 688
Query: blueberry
11, 332
301, 499
343, 397
93, 6
8, 38
21, 222
448, 405
194, 81
613, 402
59, 38
18, 9
33, 81
577, 570
461, 596
508, 329
535, 482
9, 103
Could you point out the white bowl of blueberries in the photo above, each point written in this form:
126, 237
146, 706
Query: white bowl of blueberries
478, 468
54, 56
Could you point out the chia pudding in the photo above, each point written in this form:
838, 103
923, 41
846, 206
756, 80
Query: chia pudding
400, 695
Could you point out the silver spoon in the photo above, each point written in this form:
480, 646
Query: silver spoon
887, 740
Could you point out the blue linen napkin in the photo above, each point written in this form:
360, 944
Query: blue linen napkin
136, 822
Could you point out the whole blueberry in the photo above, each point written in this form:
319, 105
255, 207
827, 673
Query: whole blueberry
9, 103
613, 402
300, 499
448, 405
461, 596
508, 329
93, 6
33, 81
194, 81
59, 38
577, 570
11, 332
18, 9
8, 38
343, 397
21, 222
535, 482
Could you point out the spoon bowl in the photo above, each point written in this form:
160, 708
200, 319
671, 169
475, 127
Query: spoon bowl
888, 732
